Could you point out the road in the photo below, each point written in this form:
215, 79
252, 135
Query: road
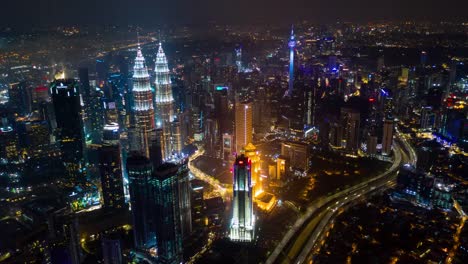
302, 237
218, 187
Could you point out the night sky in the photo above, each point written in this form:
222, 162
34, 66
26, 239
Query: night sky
25, 13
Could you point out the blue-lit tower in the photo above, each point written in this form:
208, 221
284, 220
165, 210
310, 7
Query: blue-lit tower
292, 45
239, 58
243, 220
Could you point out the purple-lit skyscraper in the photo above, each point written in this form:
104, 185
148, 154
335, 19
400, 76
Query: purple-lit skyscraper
292, 45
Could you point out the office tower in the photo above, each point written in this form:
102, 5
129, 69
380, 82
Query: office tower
143, 101
34, 136
93, 112
140, 171
176, 137
380, 63
40, 95
243, 219
20, 98
228, 146
9, 150
239, 58
167, 213
164, 102
66, 100
336, 134
297, 154
221, 104
111, 134
110, 167
72, 235
387, 138
350, 122
427, 118
155, 149
282, 168
372, 145
243, 125
291, 45
197, 203
423, 58
111, 250
252, 154
184, 199
111, 112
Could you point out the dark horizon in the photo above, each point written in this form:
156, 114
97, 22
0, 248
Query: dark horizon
31, 13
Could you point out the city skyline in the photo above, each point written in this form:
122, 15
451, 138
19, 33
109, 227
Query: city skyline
186, 12
228, 143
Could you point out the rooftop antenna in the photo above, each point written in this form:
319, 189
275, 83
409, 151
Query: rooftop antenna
138, 38
160, 40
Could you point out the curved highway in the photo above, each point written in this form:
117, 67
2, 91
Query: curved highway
301, 238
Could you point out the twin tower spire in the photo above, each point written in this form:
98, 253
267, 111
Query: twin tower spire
154, 114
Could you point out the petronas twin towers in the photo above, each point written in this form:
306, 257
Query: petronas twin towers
161, 124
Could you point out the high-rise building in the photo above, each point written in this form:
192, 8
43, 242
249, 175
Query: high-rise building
297, 154
140, 172
67, 106
184, 192
176, 137
427, 118
251, 153
111, 250
143, 101
197, 203
387, 138
168, 213
164, 102
291, 45
242, 227
239, 58
93, 112
9, 150
110, 168
243, 125
20, 98
228, 146
350, 122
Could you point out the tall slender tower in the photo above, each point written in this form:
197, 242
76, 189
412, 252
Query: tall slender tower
292, 45
239, 58
164, 102
68, 115
243, 219
243, 124
143, 101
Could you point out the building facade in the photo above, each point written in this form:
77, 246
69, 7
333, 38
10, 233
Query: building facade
242, 227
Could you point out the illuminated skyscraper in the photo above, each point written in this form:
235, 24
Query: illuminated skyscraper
387, 138
243, 219
140, 172
164, 102
9, 149
110, 167
239, 59
67, 106
143, 101
292, 45
252, 153
168, 212
350, 122
243, 125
